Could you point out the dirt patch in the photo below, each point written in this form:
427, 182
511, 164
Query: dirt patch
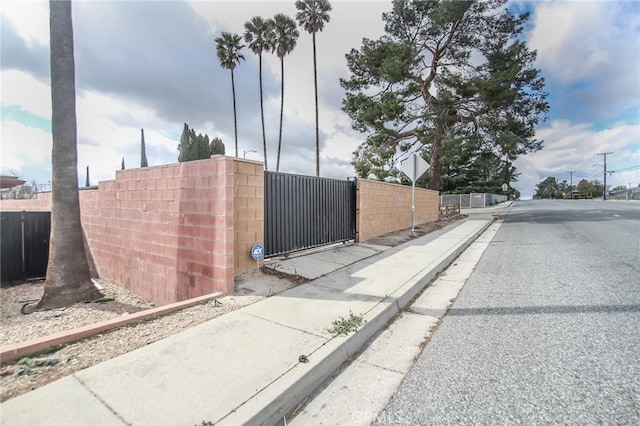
25, 375
395, 238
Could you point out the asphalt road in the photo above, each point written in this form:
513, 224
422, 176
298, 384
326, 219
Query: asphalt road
546, 329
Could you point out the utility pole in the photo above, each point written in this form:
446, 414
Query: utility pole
571, 184
604, 191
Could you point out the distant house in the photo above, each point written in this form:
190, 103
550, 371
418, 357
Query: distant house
8, 182
12, 188
575, 194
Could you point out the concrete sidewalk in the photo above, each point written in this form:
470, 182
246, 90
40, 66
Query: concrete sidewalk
312, 264
244, 367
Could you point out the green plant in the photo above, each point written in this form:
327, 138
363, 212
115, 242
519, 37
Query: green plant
213, 302
28, 365
27, 362
344, 326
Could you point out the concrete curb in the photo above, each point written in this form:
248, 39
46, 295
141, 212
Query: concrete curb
16, 351
273, 403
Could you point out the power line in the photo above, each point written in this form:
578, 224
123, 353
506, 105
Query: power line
625, 169
604, 193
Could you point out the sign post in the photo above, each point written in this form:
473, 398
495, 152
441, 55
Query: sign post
257, 253
505, 187
414, 168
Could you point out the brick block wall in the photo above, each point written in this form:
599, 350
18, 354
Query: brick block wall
164, 232
167, 233
248, 212
384, 207
42, 203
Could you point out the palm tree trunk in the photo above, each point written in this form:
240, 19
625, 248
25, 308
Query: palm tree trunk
68, 278
281, 111
264, 135
235, 121
315, 81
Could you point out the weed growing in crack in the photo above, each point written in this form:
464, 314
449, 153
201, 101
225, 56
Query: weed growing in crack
344, 326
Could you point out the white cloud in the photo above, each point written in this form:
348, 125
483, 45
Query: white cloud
25, 149
31, 18
103, 139
20, 88
583, 40
341, 145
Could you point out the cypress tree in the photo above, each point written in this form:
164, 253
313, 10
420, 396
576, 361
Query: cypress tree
143, 150
216, 146
197, 147
87, 180
183, 146
193, 146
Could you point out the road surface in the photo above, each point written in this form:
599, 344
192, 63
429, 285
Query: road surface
546, 329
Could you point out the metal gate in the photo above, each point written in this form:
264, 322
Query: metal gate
24, 245
303, 212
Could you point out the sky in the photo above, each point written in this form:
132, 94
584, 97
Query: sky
152, 65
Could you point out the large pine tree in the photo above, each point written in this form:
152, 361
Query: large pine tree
445, 72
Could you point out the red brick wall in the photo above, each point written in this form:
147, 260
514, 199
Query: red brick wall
384, 207
166, 233
42, 203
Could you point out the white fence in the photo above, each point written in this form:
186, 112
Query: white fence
626, 194
474, 199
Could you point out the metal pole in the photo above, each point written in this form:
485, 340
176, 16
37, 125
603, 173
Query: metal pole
571, 184
604, 191
413, 195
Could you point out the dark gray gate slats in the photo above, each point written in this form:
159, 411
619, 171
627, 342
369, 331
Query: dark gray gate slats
303, 212
24, 245
37, 229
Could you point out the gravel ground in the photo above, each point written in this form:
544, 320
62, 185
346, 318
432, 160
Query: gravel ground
18, 328
22, 376
393, 239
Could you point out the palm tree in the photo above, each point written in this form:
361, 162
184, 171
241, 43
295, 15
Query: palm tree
311, 16
259, 37
68, 278
228, 49
285, 36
